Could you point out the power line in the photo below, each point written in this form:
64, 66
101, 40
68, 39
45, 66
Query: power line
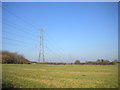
57, 49
21, 36
18, 44
19, 17
14, 40
30, 34
54, 53
42, 44
49, 58
55, 44
9, 24
14, 24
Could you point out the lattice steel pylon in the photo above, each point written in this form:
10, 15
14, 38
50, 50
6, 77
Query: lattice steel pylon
41, 52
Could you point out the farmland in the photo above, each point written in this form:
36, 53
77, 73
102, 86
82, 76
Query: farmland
59, 76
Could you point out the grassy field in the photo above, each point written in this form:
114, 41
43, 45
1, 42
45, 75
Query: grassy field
60, 76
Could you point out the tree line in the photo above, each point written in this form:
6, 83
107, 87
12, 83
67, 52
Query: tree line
13, 58
77, 62
98, 62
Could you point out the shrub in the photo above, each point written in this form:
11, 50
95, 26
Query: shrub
13, 58
6, 59
103, 62
77, 62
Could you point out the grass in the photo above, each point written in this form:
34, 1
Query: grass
59, 76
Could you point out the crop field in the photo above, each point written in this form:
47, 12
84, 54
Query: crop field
59, 76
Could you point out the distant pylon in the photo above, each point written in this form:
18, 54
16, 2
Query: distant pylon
41, 52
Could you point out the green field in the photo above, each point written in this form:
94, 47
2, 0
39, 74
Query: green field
59, 76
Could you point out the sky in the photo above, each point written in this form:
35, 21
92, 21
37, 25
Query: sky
84, 31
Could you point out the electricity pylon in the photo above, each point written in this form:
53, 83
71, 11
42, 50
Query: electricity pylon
41, 52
